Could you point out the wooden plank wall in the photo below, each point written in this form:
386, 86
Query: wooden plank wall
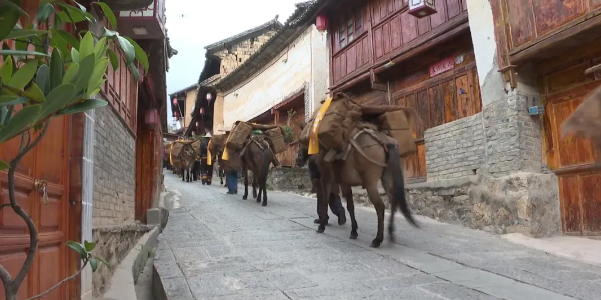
387, 30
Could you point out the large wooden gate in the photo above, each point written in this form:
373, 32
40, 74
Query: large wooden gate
563, 86
48, 161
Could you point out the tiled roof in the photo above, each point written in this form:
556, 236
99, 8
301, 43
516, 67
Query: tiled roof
294, 27
273, 24
184, 90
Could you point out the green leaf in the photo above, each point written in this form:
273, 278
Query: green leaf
8, 115
100, 48
57, 69
140, 54
58, 42
87, 45
81, 7
21, 33
24, 75
128, 49
35, 93
78, 248
18, 52
86, 68
114, 59
73, 15
108, 12
84, 106
7, 69
42, 78
109, 33
94, 264
70, 74
74, 55
134, 71
4, 165
20, 121
102, 260
99, 70
89, 246
44, 12
14, 5
57, 99
9, 17
12, 100
69, 38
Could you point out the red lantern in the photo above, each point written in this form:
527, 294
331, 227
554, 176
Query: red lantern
151, 118
175, 114
421, 8
175, 101
321, 22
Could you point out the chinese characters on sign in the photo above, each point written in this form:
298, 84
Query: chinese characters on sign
442, 66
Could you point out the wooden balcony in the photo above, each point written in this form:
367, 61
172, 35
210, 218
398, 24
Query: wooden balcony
144, 23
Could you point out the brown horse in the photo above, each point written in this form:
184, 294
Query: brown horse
371, 157
256, 157
187, 158
217, 146
585, 121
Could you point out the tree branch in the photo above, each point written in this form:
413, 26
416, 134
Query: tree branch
61, 282
33, 231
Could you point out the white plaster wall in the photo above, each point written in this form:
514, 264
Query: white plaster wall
320, 69
483, 36
278, 79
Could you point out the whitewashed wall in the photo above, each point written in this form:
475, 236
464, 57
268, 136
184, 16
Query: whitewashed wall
280, 78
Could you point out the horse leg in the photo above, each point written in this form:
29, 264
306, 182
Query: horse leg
183, 174
245, 172
376, 200
347, 192
256, 186
387, 183
322, 202
263, 188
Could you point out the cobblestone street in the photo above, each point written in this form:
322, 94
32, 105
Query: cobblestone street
218, 246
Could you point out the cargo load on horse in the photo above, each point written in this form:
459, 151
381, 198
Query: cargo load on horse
357, 145
184, 155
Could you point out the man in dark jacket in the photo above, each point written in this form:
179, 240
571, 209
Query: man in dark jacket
334, 202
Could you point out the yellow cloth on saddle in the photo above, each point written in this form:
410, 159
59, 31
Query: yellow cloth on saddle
209, 156
313, 140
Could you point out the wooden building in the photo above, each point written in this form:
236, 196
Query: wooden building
282, 82
90, 162
383, 55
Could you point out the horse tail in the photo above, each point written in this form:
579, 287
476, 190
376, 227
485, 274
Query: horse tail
264, 168
394, 163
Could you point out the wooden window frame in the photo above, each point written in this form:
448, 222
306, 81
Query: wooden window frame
350, 27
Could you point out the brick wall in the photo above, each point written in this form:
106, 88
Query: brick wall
455, 149
114, 171
513, 141
239, 53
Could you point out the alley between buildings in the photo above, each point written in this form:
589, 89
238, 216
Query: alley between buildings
218, 246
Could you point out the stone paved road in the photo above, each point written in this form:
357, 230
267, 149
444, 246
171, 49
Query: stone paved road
217, 246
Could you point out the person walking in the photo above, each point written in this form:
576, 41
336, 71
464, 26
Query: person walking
231, 164
334, 202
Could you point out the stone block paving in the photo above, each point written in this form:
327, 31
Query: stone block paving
218, 246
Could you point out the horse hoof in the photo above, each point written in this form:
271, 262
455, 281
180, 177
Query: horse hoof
375, 243
321, 229
258, 200
264, 204
392, 238
244, 197
353, 236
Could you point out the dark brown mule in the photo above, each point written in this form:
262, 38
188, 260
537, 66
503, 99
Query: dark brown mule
216, 148
585, 121
187, 157
256, 157
371, 158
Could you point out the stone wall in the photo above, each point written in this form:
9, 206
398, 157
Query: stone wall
114, 170
289, 179
513, 141
239, 53
455, 149
113, 243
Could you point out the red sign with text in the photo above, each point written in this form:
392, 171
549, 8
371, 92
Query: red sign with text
442, 66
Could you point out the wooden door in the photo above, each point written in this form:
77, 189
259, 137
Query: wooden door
572, 160
49, 161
